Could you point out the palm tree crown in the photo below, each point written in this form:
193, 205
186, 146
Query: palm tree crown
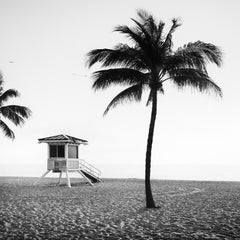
151, 61
15, 113
148, 63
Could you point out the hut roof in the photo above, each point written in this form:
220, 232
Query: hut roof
62, 138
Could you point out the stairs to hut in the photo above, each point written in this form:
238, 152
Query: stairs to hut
88, 171
94, 179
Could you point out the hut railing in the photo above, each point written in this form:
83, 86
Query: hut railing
89, 168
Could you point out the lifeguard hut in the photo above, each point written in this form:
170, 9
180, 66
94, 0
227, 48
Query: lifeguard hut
63, 158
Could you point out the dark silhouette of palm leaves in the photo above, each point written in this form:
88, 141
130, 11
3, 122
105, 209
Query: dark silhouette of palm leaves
152, 54
15, 113
147, 63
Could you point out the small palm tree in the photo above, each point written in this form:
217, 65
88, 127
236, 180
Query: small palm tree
147, 64
15, 113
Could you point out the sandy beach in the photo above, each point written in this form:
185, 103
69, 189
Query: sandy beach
115, 209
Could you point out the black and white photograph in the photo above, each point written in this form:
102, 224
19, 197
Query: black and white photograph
119, 120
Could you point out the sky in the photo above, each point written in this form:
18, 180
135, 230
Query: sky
43, 47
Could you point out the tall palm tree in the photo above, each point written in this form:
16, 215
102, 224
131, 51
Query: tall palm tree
147, 64
15, 113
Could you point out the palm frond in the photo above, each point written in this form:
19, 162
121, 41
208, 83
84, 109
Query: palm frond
21, 110
143, 15
131, 33
137, 37
210, 52
16, 114
97, 55
199, 53
7, 131
121, 55
184, 59
132, 93
196, 79
117, 76
151, 35
143, 29
150, 96
160, 33
167, 45
8, 94
127, 56
147, 23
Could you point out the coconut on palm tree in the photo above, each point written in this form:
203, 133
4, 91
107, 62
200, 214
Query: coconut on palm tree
147, 64
15, 113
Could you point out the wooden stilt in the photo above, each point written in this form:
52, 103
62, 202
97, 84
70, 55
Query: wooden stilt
60, 176
42, 176
85, 177
68, 179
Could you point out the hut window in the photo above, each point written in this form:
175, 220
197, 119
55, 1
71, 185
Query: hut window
72, 151
57, 151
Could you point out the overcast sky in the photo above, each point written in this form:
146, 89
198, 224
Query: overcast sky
43, 46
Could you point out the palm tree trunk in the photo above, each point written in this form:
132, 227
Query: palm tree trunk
149, 198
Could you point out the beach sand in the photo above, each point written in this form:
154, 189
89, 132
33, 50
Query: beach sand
115, 209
